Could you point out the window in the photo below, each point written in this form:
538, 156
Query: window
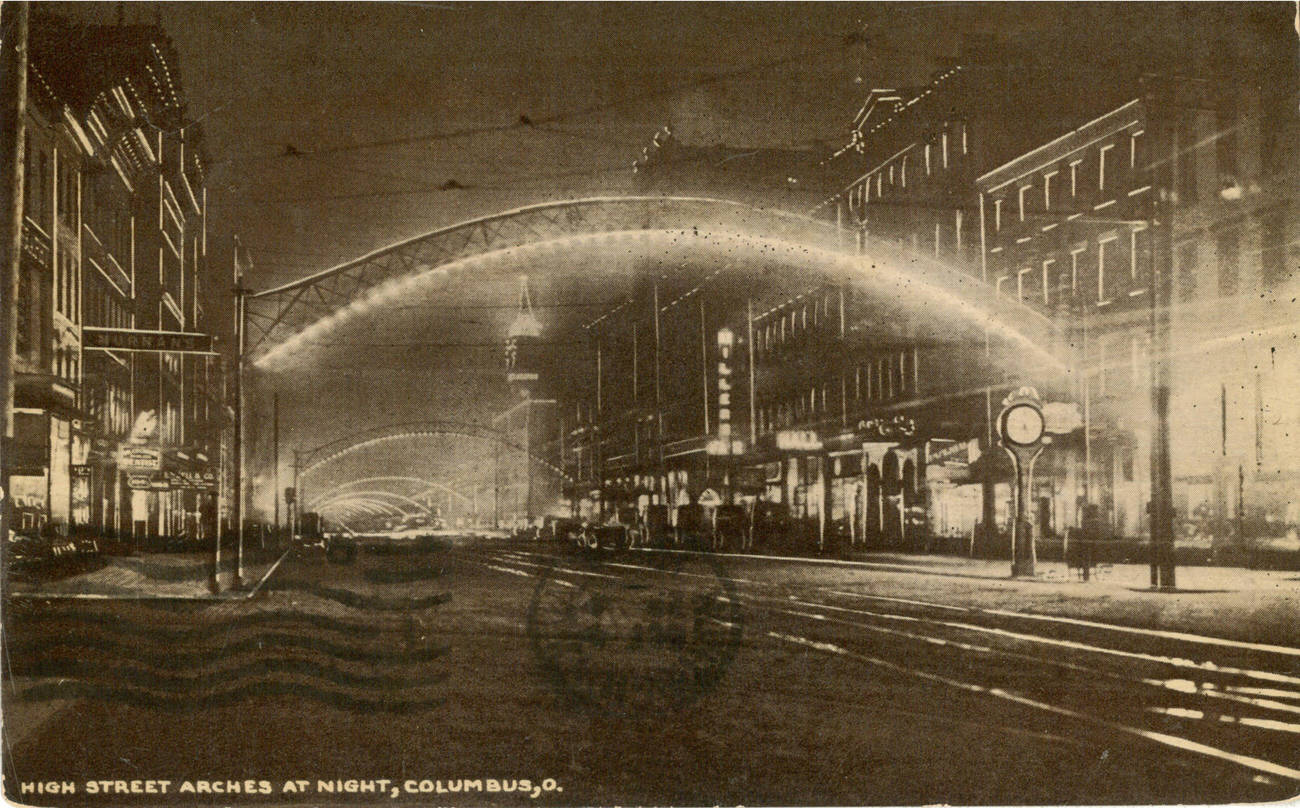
1133, 148
1024, 189
1048, 267
1047, 189
997, 215
1137, 250
1273, 269
1101, 165
1187, 185
891, 174
1021, 285
1103, 248
1074, 177
1074, 268
903, 171
1227, 250
945, 149
998, 286
1225, 151
927, 159
936, 238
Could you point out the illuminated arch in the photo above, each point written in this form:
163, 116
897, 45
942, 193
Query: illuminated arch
427, 486
284, 318
378, 496
365, 504
336, 449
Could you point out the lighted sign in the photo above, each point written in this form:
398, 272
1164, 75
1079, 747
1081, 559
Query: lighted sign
798, 440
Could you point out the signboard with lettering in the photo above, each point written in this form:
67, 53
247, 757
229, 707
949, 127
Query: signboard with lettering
139, 458
191, 480
147, 481
130, 339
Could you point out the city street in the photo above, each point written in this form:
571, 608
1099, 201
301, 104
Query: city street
649, 403
629, 676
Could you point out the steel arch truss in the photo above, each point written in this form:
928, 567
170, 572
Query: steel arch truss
313, 459
274, 315
425, 487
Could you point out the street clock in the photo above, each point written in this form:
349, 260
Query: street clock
1023, 424
1023, 430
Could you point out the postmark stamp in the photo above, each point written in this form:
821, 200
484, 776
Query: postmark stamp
654, 633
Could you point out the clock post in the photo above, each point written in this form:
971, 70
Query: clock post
1022, 429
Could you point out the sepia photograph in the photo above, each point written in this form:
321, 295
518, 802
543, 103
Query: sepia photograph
649, 403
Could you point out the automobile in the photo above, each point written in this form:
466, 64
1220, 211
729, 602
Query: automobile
657, 530
49, 553
561, 528
730, 528
771, 526
693, 530
340, 549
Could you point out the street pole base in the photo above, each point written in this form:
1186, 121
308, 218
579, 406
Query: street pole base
1022, 569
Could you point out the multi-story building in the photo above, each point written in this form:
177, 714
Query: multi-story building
1036, 185
115, 236
1076, 226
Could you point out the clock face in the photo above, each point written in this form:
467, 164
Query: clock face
1023, 425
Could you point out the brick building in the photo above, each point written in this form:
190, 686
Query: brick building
114, 236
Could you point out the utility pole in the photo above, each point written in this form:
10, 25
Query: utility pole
13, 115
1163, 175
275, 457
528, 462
295, 516
240, 295
659, 409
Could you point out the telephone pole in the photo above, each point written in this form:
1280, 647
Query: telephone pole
1164, 173
275, 457
240, 303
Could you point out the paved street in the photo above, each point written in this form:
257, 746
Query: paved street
768, 681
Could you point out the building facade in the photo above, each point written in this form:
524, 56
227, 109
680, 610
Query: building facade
114, 237
1051, 192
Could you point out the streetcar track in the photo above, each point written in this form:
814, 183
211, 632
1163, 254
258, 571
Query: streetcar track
1180, 686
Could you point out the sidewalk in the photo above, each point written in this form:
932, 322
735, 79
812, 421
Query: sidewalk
1230, 602
1132, 576
154, 575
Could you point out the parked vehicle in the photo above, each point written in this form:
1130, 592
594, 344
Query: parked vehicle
48, 553
693, 530
657, 531
771, 527
730, 528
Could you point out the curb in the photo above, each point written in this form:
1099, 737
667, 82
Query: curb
229, 594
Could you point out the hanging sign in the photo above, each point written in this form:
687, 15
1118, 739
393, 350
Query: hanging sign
131, 339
